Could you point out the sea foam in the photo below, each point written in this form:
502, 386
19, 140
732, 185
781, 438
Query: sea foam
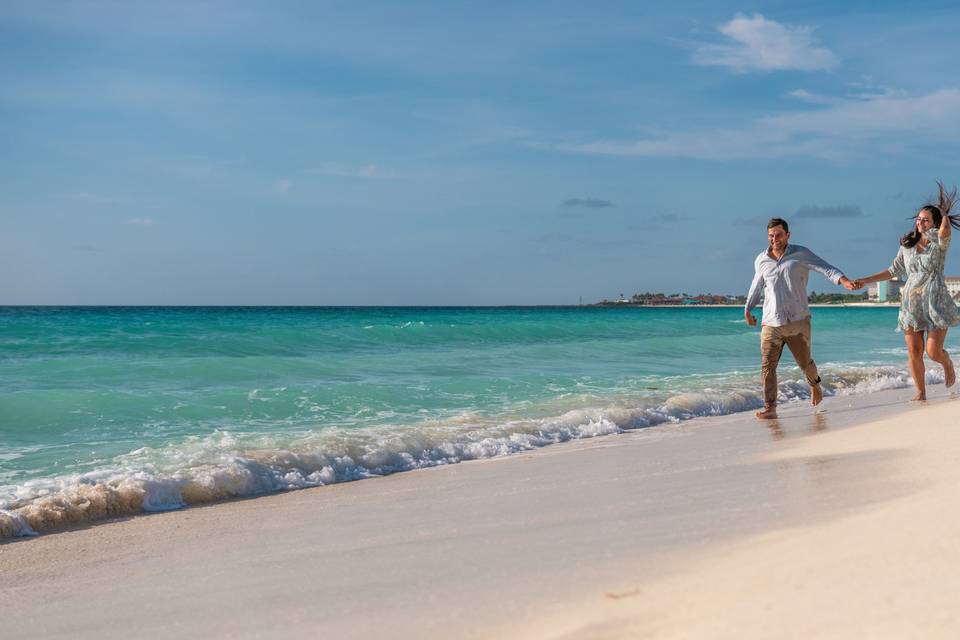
224, 465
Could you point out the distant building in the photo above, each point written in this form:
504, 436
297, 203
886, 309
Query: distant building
953, 286
885, 291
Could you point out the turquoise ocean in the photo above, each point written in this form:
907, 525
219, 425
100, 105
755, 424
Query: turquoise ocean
109, 411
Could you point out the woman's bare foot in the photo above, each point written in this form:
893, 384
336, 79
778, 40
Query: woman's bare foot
949, 374
920, 397
767, 414
816, 394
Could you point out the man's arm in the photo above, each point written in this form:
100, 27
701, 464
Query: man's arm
753, 296
829, 271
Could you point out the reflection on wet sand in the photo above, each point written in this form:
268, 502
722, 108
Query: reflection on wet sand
776, 431
819, 422
844, 412
815, 423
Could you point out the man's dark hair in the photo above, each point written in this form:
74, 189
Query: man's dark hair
778, 222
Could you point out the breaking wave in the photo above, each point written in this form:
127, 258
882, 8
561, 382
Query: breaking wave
224, 465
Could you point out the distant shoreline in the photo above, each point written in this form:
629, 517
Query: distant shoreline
418, 306
882, 305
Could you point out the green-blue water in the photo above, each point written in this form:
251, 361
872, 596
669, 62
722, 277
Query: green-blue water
183, 405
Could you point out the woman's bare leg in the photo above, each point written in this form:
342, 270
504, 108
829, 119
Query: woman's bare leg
914, 340
935, 339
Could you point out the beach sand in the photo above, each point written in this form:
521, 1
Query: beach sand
837, 524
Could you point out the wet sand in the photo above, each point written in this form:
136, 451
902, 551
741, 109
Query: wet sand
834, 524
885, 568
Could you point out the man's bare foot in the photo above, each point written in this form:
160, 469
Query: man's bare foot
816, 394
766, 414
949, 373
920, 397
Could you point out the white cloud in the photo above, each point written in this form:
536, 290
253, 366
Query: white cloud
764, 45
145, 222
811, 98
842, 130
283, 186
869, 91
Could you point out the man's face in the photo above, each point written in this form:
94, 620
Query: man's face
778, 238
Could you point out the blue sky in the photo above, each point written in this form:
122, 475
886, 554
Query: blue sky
458, 152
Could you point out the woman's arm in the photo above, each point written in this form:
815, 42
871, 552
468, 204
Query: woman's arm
945, 227
879, 276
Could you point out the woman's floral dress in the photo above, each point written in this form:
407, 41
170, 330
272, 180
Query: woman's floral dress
925, 302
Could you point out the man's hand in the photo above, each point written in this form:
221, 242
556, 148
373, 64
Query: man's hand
749, 318
847, 284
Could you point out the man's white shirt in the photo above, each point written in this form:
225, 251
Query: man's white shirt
783, 284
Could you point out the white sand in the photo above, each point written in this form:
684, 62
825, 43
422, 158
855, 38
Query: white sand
888, 569
716, 528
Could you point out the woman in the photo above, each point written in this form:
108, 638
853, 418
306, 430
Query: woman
925, 303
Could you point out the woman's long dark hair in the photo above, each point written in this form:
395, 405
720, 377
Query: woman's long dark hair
944, 204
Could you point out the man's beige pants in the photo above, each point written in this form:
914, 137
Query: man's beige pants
795, 335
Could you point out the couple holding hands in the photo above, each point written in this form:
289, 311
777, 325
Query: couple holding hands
926, 308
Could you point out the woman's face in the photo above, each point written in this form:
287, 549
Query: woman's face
924, 220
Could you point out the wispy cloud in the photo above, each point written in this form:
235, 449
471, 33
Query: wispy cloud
867, 88
95, 198
753, 221
670, 217
811, 98
902, 195
283, 186
552, 237
759, 44
109, 89
657, 221
589, 203
348, 171
838, 132
402, 36
841, 211
143, 222
171, 95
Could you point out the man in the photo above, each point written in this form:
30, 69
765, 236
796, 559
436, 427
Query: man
781, 275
